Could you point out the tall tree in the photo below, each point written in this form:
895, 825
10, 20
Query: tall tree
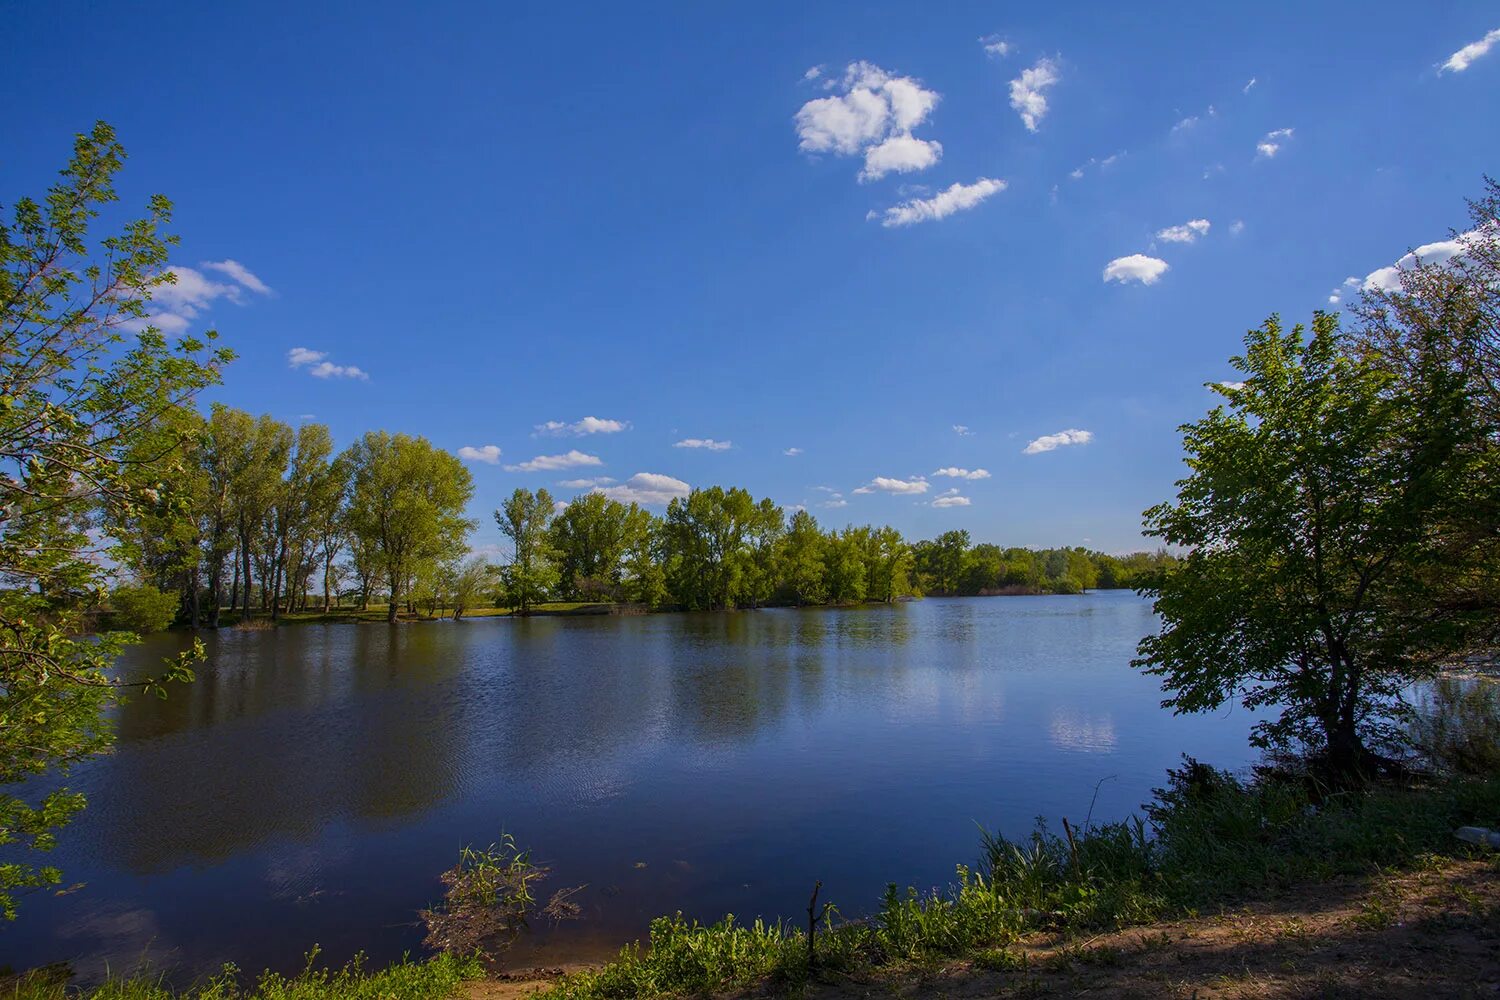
532, 572
407, 505
1308, 514
588, 538
76, 398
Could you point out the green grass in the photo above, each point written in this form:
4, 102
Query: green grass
1210, 840
434, 979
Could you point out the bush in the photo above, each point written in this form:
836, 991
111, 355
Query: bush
141, 608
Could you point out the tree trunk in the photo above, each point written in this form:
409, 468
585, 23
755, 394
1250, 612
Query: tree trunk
193, 605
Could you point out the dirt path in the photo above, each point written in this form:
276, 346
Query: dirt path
1428, 935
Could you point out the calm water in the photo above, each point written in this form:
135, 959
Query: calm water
315, 780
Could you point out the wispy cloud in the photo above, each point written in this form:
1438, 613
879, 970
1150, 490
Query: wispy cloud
873, 113
956, 198
1464, 57
1188, 232
176, 303
648, 488
884, 484
578, 428
1027, 92
1062, 439
583, 484
962, 430
1246, 88
1272, 142
952, 500
551, 463
707, 444
1136, 267
1236, 227
240, 273
791, 452
955, 472
997, 46
487, 453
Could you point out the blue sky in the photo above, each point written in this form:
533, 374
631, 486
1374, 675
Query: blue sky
475, 219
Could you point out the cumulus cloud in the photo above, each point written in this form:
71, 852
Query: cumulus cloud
900, 154
550, 463
1027, 92
1051, 442
791, 452
813, 72
174, 304
487, 453
588, 425
1272, 142
1388, 279
1188, 232
647, 488
1136, 267
956, 198
1461, 60
955, 472
583, 484
873, 113
708, 444
951, 500
884, 484
318, 367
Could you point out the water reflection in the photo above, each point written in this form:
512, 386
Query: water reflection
315, 779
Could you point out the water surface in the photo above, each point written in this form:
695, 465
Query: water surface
313, 782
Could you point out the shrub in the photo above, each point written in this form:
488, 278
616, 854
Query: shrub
141, 608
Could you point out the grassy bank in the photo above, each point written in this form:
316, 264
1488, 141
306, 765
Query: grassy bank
1208, 843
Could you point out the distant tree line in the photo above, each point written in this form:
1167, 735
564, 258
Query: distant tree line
267, 519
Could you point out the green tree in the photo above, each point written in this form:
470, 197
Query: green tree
802, 569
532, 572
1307, 515
588, 538
141, 608
407, 502
706, 538
643, 575
76, 398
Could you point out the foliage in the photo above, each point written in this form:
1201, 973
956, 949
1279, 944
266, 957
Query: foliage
489, 894
141, 608
80, 400
407, 500
1307, 513
532, 572
435, 979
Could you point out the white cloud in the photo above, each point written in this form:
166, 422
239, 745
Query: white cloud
708, 444
962, 430
1136, 267
550, 463
951, 501
588, 425
327, 369
487, 453
834, 503
791, 452
176, 303
299, 356
1051, 442
647, 488
956, 198
1232, 385
239, 272
1388, 279
1271, 144
957, 473
583, 484
812, 73
1460, 60
1246, 88
1187, 122
1333, 299
900, 154
996, 46
318, 367
1351, 281
1236, 227
874, 114
884, 484
1026, 92
1188, 232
